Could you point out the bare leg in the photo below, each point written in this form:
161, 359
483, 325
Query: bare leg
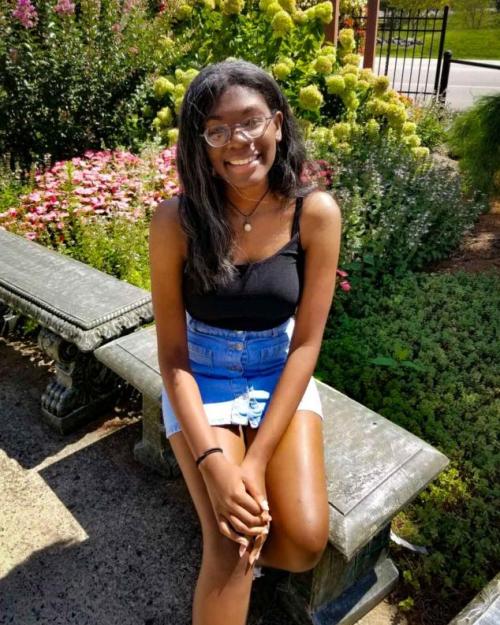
297, 495
222, 593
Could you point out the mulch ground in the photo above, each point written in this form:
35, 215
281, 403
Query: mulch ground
480, 249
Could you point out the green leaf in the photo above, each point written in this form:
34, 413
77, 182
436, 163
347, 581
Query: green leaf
384, 361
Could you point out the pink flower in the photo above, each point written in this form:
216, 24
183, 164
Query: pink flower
64, 7
31, 235
342, 274
128, 5
103, 183
26, 13
345, 286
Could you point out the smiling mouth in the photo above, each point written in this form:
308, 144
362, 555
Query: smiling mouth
243, 161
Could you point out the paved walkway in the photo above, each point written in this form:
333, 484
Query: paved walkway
466, 83
88, 536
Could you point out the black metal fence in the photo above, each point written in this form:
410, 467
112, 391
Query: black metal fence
445, 73
409, 50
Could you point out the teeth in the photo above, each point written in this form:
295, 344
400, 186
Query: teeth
244, 162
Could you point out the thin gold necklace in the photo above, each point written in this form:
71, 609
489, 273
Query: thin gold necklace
247, 226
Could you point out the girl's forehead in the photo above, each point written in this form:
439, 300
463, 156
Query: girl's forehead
237, 100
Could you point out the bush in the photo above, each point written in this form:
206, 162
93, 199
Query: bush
101, 186
323, 83
475, 138
12, 186
432, 119
399, 212
423, 352
115, 245
67, 71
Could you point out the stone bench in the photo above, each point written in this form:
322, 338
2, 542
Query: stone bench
78, 308
484, 609
374, 469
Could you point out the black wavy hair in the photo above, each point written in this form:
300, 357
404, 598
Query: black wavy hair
201, 203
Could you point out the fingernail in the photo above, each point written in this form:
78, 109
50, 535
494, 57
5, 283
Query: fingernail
265, 505
242, 550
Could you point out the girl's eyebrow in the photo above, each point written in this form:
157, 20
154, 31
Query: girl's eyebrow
246, 110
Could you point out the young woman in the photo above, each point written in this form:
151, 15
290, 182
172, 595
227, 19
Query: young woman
243, 268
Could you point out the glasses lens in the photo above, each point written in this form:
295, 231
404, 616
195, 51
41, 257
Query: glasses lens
217, 136
254, 127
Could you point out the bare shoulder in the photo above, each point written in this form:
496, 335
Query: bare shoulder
167, 211
320, 216
166, 228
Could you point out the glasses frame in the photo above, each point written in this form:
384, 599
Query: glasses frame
232, 128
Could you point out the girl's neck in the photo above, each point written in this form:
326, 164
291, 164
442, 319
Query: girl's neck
245, 199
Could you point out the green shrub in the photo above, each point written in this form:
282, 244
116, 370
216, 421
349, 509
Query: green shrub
475, 138
423, 352
324, 84
114, 245
398, 212
432, 119
12, 185
67, 73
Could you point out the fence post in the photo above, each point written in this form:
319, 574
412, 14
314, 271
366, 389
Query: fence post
443, 83
441, 46
332, 29
371, 33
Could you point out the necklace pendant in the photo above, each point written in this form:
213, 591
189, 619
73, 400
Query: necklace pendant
247, 227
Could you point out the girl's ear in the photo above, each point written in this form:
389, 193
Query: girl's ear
278, 120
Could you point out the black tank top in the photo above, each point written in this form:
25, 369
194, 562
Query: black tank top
264, 294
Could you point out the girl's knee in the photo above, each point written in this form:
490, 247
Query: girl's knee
219, 548
300, 552
222, 563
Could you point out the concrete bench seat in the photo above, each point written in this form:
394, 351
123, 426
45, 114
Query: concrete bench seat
79, 308
484, 609
374, 469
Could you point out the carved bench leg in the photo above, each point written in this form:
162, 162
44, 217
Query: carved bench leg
339, 591
82, 389
8, 319
154, 450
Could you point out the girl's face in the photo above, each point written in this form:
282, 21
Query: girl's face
236, 105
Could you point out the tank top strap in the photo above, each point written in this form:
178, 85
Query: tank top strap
296, 216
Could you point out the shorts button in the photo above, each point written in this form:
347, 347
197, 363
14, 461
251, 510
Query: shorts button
239, 346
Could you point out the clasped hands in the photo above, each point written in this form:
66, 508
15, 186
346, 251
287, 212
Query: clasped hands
238, 497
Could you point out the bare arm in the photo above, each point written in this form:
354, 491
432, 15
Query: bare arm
320, 234
230, 501
167, 252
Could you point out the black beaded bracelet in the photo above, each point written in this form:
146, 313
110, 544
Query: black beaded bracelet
208, 452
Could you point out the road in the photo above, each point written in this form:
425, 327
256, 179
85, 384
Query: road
466, 83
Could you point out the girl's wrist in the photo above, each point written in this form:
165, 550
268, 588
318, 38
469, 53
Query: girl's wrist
207, 453
210, 463
255, 459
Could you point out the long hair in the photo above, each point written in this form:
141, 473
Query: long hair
201, 204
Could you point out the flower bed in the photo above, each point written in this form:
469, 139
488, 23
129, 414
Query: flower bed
105, 183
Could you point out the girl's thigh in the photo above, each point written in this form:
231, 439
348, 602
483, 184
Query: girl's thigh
230, 438
296, 482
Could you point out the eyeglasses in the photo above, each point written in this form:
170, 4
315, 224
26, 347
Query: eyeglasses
252, 128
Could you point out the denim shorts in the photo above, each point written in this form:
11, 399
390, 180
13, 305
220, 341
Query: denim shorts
236, 372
